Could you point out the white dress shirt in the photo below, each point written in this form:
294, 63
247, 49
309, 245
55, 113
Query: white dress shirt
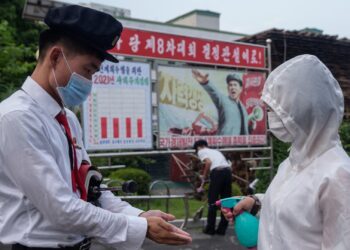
37, 205
216, 157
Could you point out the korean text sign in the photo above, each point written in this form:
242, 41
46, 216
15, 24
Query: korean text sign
117, 114
181, 48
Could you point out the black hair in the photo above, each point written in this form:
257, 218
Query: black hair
200, 143
51, 37
233, 77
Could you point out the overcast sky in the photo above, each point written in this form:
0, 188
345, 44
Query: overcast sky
248, 16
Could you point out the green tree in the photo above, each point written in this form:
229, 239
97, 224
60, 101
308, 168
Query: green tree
280, 152
18, 45
344, 133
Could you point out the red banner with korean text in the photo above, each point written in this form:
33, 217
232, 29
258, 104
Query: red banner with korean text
150, 44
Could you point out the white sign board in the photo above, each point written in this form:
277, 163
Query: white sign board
117, 114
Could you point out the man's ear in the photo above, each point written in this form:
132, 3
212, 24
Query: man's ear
54, 56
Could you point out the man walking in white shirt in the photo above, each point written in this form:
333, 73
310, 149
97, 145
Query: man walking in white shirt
42, 197
219, 172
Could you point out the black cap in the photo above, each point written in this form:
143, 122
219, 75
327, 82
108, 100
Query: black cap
233, 77
98, 30
200, 143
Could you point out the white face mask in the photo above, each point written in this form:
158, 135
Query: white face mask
277, 128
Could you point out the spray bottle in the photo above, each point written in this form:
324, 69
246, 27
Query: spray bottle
246, 224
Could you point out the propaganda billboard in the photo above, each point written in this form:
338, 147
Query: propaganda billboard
221, 106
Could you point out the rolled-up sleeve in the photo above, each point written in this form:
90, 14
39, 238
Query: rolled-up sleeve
29, 162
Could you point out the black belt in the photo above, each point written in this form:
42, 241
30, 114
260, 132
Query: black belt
221, 168
83, 245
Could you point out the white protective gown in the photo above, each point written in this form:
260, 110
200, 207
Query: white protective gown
307, 205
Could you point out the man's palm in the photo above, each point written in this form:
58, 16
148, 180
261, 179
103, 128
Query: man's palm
200, 77
164, 233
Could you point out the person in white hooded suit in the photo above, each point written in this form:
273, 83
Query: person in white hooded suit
307, 205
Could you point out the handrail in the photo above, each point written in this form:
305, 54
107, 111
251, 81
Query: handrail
111, 167
167, 192
155, 152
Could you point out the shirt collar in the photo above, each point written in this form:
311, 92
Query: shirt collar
41, 97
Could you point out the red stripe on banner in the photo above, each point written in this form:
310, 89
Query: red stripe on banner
149, 44
103, 127
139, 128
115, 127
128, 127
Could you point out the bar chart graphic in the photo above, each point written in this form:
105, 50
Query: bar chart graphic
117, 114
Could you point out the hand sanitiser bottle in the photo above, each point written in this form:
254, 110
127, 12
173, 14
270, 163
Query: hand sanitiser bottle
246, 224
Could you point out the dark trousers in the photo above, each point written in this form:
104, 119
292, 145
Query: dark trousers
84, 245
219, 188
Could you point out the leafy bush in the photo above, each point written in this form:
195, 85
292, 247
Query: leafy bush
344, 133
236, 190
280, 153
132, 161
142, 178
138, 162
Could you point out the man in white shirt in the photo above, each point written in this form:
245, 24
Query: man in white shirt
42, 199
219, 171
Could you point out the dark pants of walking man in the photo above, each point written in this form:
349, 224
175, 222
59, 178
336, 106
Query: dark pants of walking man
220, 187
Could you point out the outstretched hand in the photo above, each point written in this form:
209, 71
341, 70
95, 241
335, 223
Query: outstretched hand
200, 77
158, 213
163, 232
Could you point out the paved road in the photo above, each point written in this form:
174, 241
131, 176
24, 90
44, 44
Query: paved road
200, 241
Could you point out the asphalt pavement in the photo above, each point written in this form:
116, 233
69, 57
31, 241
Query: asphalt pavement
200, 241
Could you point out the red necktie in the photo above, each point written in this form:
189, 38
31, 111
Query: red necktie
76, 180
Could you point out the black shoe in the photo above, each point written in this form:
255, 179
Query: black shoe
208, 231
220, 232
